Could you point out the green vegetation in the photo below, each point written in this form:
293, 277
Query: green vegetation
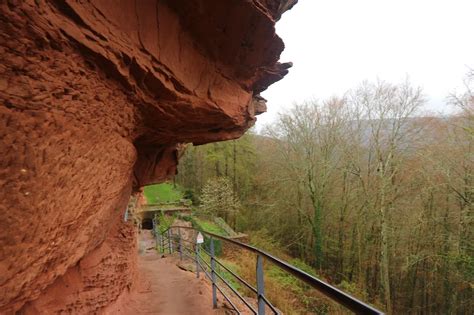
218, 199
164, 222
224, 273
290, 294
208, 226
360, 190
165, 192
234, 267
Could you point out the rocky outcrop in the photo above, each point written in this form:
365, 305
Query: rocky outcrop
96, 99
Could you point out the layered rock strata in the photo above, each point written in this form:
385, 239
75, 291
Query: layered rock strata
96, 98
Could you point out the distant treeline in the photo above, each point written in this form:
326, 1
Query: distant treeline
365, 189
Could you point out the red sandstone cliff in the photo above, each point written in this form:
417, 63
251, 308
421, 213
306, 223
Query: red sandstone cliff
95, 98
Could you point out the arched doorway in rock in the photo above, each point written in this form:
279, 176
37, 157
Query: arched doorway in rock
147, 224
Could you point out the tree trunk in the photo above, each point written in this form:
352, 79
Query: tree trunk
318, 242
384, 256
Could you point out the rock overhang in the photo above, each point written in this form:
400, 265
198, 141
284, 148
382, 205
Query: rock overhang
97, 98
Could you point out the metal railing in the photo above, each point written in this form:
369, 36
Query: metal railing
190, 249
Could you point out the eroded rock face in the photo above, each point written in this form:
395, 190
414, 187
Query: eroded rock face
96, 98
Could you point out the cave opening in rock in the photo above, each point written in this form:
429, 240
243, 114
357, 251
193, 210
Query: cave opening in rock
147, 224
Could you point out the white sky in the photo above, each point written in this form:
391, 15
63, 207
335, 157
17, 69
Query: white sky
336, 44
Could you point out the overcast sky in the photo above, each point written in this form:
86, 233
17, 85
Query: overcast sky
336, 44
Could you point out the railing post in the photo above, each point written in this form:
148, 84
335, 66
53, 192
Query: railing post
197, 260
260, 286
213, 275
170, 242
180, 245
162, 243
157, 239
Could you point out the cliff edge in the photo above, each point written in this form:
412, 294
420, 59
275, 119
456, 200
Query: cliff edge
96, 99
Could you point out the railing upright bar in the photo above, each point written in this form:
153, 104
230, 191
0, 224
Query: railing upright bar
157, 238
197, 260
180, 245
213, 275
170, 243
162, 242
260, 286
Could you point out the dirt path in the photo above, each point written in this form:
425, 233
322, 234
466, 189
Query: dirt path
166, 289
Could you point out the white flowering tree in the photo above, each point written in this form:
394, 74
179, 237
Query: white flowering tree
218, 199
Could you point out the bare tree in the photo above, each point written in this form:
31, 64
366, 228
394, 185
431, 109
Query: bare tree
309, 135
387, 111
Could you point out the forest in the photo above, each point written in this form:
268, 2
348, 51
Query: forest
368, 189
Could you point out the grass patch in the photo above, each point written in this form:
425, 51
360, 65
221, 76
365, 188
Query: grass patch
209, 226
298, 263
165, 192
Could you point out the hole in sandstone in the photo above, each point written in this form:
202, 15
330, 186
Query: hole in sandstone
147, 224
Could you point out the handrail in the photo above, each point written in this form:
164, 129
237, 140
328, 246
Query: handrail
333, 293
